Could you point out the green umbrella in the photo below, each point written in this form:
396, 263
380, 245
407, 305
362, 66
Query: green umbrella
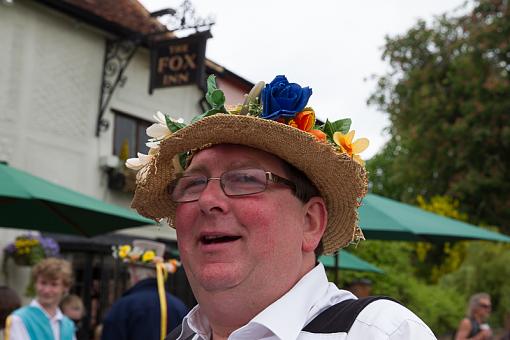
30, 202
347, 261
385, 219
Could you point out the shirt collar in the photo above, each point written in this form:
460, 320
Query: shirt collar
196, 322
297, 304
58, 315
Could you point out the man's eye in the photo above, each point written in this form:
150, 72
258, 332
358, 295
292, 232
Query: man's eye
192, 182
244, 178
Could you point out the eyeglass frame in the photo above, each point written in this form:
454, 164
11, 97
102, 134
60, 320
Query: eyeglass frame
270, 177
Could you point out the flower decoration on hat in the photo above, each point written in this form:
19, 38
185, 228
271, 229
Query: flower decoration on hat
349, 147
282, 99
147, 257
279, 101
159, 131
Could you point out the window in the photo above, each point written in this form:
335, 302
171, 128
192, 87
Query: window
129, 136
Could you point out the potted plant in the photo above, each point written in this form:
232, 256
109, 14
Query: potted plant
28, 249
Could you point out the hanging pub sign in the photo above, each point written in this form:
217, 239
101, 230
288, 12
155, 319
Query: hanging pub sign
178, 62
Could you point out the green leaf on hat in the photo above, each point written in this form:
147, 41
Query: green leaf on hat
341, 125
211, 83
328, 129
172, 125
208, 113
214, 96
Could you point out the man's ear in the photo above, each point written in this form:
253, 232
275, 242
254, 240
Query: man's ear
315, 221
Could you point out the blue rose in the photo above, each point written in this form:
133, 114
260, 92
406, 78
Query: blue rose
283, 99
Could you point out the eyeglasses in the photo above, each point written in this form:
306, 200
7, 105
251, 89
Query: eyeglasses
240, 182
484, 305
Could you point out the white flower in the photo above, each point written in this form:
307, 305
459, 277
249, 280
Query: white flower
159, 130
140, 162
153, 145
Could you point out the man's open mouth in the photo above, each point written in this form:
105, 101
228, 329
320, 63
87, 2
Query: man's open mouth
218, 239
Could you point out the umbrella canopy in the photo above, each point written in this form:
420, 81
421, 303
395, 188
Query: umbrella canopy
348, 261
385, 219
30, 202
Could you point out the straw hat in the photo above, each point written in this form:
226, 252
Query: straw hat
340, 178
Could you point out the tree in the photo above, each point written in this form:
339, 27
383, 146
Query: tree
447, 96
434, 260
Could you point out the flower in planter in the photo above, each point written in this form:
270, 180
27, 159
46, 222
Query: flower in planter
28, 249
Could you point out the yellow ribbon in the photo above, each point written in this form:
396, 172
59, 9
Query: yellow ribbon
7, 331
161, 276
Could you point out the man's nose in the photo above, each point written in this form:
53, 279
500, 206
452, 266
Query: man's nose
212, 197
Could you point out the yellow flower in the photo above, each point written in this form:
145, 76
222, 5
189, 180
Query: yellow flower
351, 148
148, 256
124, 251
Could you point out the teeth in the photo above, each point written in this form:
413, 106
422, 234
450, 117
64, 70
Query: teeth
208, 238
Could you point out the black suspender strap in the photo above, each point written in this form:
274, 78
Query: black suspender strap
340, 317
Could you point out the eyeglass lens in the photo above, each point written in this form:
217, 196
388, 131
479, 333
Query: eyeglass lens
234, 183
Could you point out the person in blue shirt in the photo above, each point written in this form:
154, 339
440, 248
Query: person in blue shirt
43, 319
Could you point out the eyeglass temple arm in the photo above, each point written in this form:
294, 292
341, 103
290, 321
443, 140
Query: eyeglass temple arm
280, 180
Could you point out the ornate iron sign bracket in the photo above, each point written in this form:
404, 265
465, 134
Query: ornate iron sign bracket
118, 54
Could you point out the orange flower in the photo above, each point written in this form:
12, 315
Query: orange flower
321, 136
304, 120
351, 148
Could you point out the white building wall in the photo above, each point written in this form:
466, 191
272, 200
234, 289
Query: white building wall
50, 74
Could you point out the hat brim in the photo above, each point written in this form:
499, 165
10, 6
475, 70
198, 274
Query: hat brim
341, 181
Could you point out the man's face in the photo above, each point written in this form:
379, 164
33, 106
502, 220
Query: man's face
49, 292
248, 242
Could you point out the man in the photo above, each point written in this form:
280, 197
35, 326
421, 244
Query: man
137, 314
42, 319
474, 325
262, 194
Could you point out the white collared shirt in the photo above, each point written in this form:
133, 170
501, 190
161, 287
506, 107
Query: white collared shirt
18, 331
285, 318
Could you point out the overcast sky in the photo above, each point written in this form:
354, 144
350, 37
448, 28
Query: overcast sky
332, 46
